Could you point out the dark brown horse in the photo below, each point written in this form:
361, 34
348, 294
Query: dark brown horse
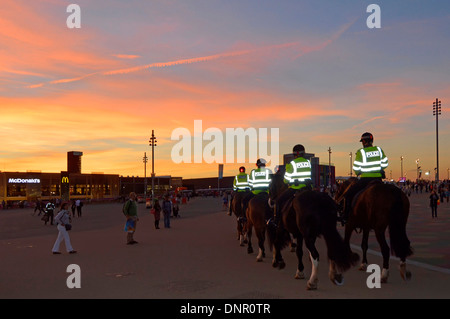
236, 207
258, 211
378, 207
312, 214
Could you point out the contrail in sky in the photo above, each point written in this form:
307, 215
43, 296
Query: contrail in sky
303, 50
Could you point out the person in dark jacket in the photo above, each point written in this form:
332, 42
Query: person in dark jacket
434, 203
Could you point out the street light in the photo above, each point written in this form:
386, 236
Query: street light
145, 160
418, 167
329, 166
152, 143
401, 166
437, 112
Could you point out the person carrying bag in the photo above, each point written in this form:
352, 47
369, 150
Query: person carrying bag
63, 225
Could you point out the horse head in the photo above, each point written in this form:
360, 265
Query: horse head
343, 188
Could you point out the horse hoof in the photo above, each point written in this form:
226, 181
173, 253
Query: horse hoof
299, 275
259, 259
338, 280
363, 267
274, 264
245, 241
311, 285
384, 276
281, 265
242, 244
406, 274
250, 250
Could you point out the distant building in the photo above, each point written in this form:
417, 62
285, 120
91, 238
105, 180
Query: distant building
30, 186
137, 184
195, 184
74, 162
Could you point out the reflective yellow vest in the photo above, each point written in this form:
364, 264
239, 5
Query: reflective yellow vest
260, 179
298, 172
370, 162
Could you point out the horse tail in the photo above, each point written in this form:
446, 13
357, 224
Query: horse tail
277, 236
400, 244
338, 250
271, 234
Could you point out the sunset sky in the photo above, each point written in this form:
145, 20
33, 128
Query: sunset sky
312, 69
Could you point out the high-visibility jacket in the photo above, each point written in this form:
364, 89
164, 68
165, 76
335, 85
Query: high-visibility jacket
241, 182
298, 173
260, 179
370, 162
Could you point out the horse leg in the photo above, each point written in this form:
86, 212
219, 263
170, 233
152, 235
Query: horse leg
386, 254
364, 247
314, 255
299, 274
249, 238
335, 277
239, 232
293, 245
277, 260
261, 238
406, 274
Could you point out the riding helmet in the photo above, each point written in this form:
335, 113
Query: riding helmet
261, 162
367, 136
298, 150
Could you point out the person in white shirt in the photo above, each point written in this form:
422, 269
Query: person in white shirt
63, 219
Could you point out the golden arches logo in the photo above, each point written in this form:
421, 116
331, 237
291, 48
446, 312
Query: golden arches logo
65, 180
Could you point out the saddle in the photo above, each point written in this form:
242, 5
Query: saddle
371, 183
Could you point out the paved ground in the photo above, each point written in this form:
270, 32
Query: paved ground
197, 258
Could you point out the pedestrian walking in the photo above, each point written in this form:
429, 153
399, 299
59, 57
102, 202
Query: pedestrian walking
49, 209
167, 209
176, 209
130, 211
434, 203
38, 207
156, 211
73, 207
63, 225
79, 204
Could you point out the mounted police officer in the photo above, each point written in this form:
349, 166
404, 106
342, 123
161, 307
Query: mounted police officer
297, 176
370, 163
240, 184
259, 181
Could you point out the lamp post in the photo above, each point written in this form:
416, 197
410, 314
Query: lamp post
145, 160
418, 167
401, 166
437, 112
329, 166
153, 144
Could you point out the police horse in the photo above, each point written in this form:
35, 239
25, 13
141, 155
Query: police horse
258, 211
238, 211
378, 207
309, 215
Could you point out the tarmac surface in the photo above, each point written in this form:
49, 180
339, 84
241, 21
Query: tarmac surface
200, 258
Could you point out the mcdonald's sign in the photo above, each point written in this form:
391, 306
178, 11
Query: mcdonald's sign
65, 187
